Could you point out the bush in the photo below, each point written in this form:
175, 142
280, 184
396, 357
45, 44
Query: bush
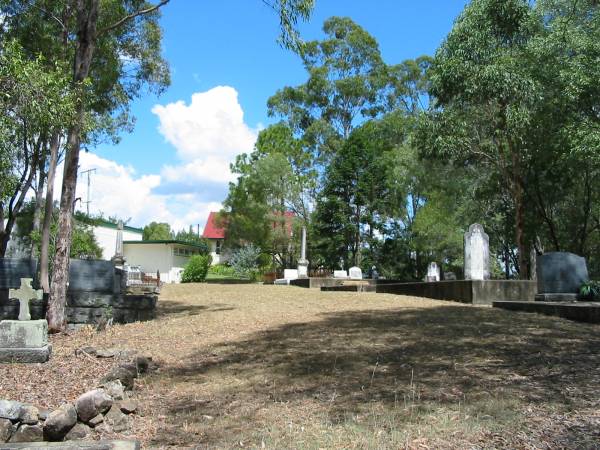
245, 262
590, 291
196, 269
223, 270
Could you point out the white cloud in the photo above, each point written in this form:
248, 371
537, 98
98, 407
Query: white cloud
212, 124
117, 191
207, 135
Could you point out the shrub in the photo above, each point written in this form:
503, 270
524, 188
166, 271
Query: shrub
590, 290
196, 269
245, 262
223, 270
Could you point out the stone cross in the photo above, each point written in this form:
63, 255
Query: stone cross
24, 294
477, 253
303, 262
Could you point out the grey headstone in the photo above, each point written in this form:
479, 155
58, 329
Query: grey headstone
91, 275
477, 253
13, 269
561, 273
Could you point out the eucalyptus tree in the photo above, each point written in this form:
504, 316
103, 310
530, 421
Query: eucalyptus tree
348, 83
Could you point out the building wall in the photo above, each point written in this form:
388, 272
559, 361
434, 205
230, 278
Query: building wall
151, 258
216, 258
107, 239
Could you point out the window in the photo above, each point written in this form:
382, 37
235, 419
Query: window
218, 248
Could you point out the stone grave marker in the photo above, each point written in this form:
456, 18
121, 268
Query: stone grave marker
13, 269
559, 276
355, 273
340, 274
477, 253
24, 294
433, 272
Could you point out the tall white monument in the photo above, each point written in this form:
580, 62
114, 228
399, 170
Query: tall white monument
433, 272
303, 262
477, 253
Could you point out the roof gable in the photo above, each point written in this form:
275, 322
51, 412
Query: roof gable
212, 230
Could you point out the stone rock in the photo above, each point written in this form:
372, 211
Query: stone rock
124, 373
92, 403
78, 432
89, 350
10, 409
95, 421
115, 389
128, 406
28, 433
23, 333
143, 364
60, 422
6, 430
29, 415
107, 353
43, 414
118, 421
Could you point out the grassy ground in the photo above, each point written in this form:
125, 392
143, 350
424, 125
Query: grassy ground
282, 367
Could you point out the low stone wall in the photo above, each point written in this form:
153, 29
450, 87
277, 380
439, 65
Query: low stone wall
317, 283
581, 311
90, 308
477, 292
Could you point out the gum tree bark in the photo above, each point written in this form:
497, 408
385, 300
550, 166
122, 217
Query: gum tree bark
48, 210
87, 19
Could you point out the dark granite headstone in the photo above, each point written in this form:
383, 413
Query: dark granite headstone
91, 275
13, 269
561, 273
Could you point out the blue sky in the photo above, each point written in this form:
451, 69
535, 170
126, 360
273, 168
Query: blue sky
172, 166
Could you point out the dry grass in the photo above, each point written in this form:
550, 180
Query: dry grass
283, 367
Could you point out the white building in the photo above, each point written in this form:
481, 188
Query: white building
106, 236
167, 257
214, 233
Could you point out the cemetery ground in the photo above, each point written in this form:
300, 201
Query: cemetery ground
281, 367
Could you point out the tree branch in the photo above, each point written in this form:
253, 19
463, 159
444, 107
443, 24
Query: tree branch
131, 16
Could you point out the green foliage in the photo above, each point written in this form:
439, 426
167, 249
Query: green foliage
193, 238
196, 269
590, 291
223, 270
156, 231
245, 261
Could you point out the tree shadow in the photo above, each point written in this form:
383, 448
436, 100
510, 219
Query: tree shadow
348, 361
170, 308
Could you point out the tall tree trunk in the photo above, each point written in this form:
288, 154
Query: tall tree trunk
48, 210
39, 198
520, 231
87, 18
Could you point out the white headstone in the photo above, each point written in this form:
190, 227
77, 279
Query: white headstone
340, 274
24, 294
433, 272
355, 273
477, 253
290, 274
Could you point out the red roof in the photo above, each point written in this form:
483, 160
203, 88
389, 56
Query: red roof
213, 230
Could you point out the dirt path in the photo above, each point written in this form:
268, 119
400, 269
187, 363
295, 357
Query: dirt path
283, 367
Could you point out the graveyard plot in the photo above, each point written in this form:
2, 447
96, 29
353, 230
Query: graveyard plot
285, 367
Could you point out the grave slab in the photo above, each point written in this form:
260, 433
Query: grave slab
75, 445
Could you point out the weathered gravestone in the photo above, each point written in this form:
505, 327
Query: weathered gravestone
559, 276
433, 272
355, 273
93, 276
13, 269
340, 274
25, 294
24, 340
477, 253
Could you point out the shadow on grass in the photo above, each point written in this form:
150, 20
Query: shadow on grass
168, 308
431, 357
